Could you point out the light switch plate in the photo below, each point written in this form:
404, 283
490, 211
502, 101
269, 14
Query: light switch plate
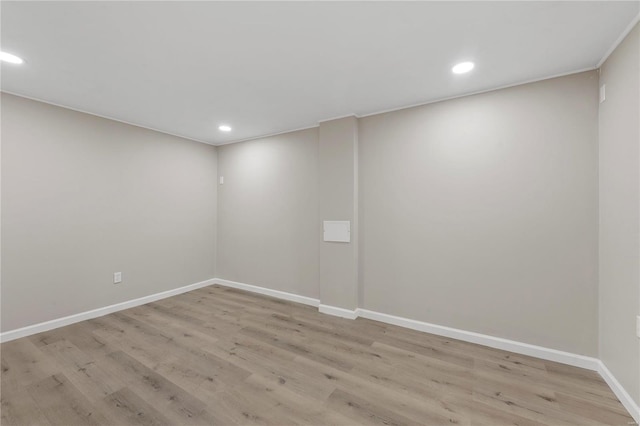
117, 277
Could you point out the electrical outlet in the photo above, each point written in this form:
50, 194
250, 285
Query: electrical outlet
221, 180
117, 277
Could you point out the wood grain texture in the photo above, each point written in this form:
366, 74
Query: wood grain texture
218, 356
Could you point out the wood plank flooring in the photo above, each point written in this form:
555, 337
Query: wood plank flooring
219, 356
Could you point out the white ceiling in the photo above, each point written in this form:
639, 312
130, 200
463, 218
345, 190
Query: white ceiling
185, 67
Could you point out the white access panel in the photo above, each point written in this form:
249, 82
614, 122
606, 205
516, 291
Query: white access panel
337, 230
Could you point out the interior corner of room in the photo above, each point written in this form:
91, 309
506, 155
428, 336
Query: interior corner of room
507, 217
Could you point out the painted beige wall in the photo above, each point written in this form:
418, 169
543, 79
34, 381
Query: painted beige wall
480, 213
620, 213
83, 197
338, 158
268, 212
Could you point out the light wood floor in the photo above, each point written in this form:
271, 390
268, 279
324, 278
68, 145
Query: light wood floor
223, 356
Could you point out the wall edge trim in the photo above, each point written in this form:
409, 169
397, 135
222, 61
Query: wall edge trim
338, 312
619, 40
95, 313
522, 348
268, 135
479, 92
621, 393
268, 292
106, 117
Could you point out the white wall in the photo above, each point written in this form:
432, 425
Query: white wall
480, 213
84, 197
268, 213
620, 213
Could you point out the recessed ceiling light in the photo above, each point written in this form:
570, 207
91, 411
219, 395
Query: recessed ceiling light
8, 57
462, 67
224, 128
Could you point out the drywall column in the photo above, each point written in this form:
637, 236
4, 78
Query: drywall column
338, 196
619, 172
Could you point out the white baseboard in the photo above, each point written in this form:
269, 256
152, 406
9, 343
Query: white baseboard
486, 340
627, 401
82, 316
338, 312
467, 336
541, 352
269, 292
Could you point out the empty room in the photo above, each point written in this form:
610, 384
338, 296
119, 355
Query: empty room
320, 213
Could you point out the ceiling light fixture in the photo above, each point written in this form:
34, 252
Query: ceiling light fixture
224, 128
462, 67
12, 59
